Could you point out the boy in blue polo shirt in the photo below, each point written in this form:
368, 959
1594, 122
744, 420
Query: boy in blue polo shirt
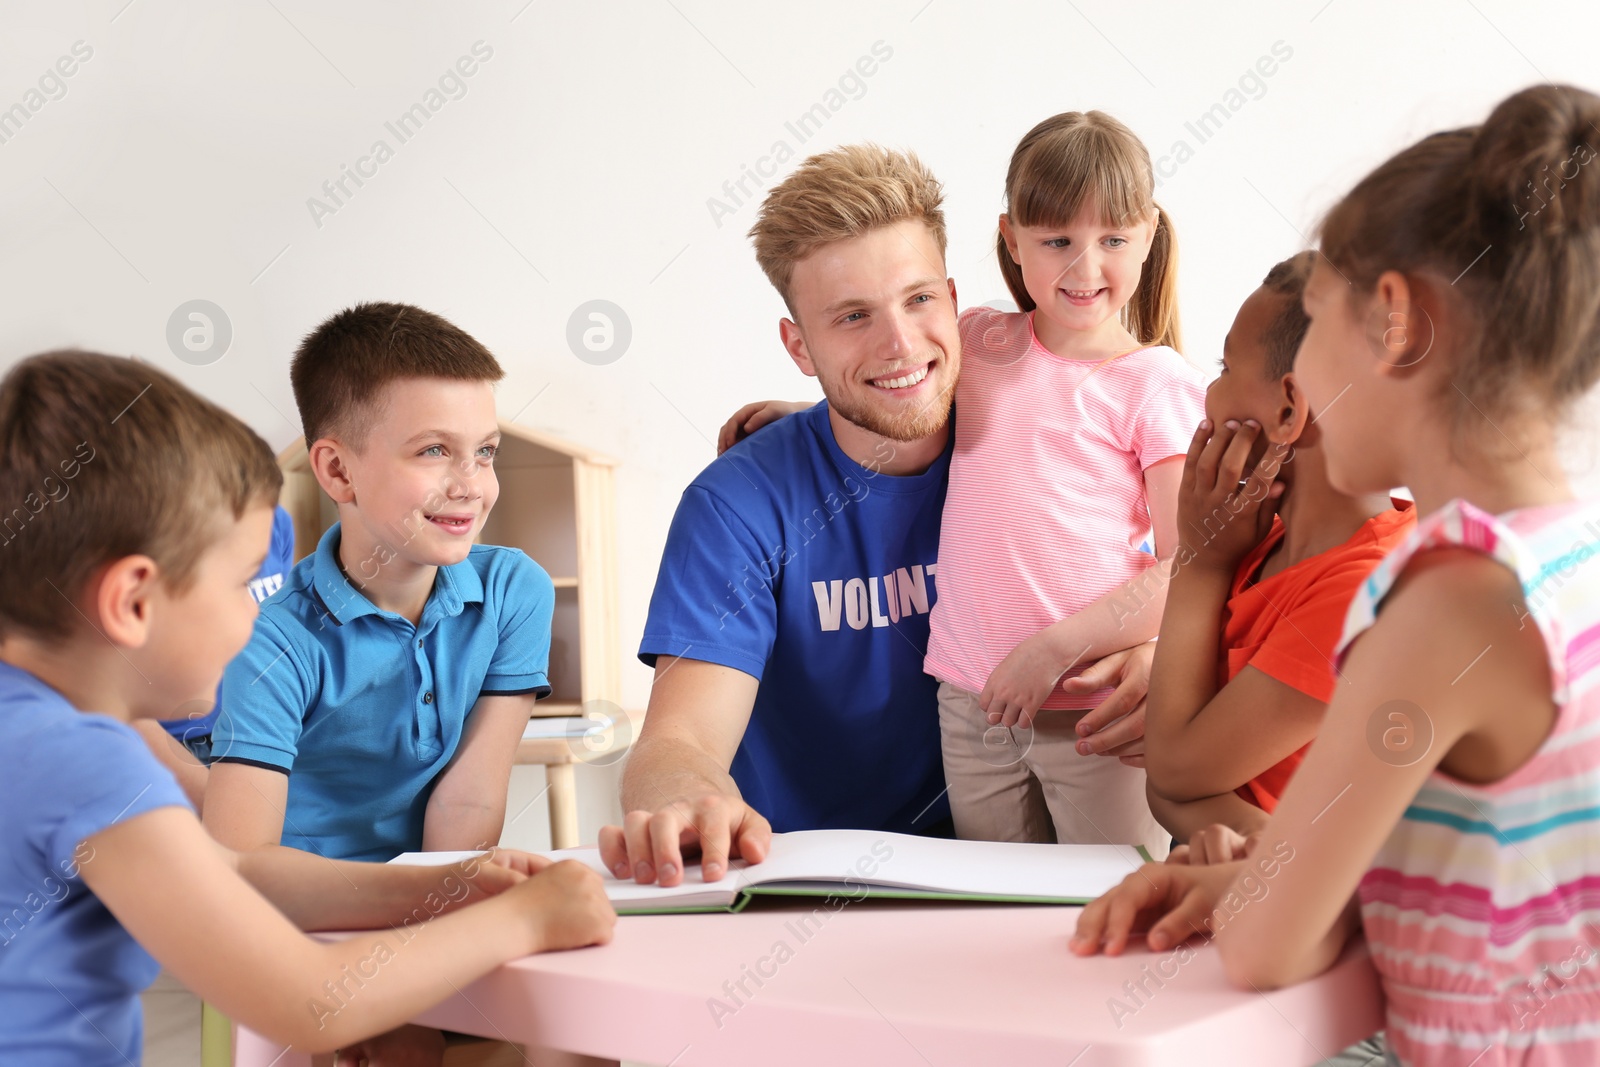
141, 513
378, 705
380, 700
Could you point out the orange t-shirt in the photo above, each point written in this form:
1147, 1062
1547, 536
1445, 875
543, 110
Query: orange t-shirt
1288, 626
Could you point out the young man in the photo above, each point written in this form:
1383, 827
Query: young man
141, 513
1244, 667
790, 615
378, 705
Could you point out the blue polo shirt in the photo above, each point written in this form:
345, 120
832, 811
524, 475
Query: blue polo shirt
362, 709
793, 563
70, 975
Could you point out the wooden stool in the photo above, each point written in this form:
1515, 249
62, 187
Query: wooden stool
556, 743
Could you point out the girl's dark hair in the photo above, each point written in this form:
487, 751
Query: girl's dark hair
1083, 157
1506, 218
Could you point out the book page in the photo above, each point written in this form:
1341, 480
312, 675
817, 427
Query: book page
858, 859
626, 896
1004, 870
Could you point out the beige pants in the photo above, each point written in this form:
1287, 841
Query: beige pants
1032, 785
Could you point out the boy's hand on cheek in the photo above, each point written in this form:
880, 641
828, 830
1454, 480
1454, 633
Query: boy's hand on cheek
1219, 520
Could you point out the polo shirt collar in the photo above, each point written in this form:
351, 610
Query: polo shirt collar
454, 586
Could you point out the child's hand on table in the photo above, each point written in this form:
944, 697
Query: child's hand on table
1212, 473
1217, 843
1168, 902
567, 904
515, 860
501, 868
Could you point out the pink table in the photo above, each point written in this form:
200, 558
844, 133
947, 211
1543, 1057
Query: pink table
919, 985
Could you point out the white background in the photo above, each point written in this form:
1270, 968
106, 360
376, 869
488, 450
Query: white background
580, 162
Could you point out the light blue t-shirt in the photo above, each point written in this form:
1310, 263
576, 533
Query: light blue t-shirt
70, 975
789, 561
268, 580
362, 709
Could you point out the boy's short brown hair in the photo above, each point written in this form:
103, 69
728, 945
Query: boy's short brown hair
341, 367
103, 457
838, 194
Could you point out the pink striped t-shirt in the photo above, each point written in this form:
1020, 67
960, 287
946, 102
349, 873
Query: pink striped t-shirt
1046, 508
1482, 909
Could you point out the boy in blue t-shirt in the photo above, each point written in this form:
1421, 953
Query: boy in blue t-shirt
378, 705
140, 514
183, 745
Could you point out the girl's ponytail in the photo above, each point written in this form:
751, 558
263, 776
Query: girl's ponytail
1506, 218
1152, 315
1011, 271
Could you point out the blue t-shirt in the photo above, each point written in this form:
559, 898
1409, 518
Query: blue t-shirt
362, 709
70, 975
268, 580
789, 561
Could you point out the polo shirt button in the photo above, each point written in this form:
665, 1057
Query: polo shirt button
419, 644
427, 698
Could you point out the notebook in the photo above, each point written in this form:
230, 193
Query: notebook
852, 865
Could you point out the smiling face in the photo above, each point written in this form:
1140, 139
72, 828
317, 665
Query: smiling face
424, 481
877, 328
1080, 275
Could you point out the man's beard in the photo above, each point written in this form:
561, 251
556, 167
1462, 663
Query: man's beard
902, 426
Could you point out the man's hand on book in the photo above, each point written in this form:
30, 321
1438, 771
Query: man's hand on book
650, 845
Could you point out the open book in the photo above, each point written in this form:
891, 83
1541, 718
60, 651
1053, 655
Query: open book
851, 865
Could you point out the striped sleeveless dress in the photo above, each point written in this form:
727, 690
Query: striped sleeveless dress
1482, 909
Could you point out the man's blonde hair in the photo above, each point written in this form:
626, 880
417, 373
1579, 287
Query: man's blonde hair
839, 194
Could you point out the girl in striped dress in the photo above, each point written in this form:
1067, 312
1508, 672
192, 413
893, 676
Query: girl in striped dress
1450, 805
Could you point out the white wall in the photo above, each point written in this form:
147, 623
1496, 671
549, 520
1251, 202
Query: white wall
580, 161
